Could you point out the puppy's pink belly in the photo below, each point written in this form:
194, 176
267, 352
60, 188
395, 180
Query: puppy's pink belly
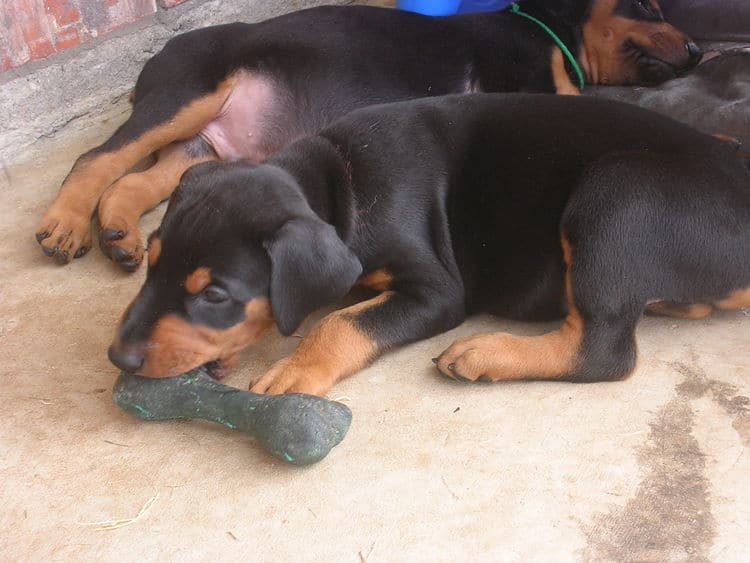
239, 129
231, 141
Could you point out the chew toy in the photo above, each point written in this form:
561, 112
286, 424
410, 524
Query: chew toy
297, 428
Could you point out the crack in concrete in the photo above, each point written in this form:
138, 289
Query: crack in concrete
60, 126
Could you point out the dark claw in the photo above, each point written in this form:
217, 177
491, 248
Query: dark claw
121, 255
457, 376
129, 267
435, 360
49, 251
454, 375
484, 379
41, 236
62, 258
108, 235
80, 252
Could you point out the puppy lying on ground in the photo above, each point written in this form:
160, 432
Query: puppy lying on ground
247, 90
447, 207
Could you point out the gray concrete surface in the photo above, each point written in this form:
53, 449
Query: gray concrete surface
61, 92
654, 468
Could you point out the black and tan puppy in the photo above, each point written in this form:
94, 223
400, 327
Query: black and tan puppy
447, 207
246, 91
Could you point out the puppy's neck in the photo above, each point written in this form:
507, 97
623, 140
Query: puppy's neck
323, 175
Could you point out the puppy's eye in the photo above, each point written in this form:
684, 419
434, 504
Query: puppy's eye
215, 294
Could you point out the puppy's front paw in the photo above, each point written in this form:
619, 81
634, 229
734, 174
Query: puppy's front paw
123, 246
475, 358
287, 377
64, 233
119, 237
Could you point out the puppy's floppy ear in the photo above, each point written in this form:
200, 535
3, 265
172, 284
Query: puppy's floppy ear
310, 267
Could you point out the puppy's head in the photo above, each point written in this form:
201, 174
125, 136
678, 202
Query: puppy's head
628, 42
238, 251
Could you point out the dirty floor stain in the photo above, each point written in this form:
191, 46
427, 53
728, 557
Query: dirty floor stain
669, 517
725, 394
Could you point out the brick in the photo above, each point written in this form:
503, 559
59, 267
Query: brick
104, 17
24, 32
34, 29
67, 38
40, 48
64, 12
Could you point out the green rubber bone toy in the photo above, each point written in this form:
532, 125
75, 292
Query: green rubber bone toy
297, 428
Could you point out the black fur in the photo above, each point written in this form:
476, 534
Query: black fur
464, 200
329, 60
311, 67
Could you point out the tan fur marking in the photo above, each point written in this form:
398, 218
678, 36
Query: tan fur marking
563, 84
90, 176
176, 346
122, 205
154, 251
334, 349
738, 299
502, 356
99, 171
735, 141
601, 54
725, 138
680, 310
198, 280
378, 280
130, 197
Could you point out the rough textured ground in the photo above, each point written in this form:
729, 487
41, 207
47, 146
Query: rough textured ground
654, 468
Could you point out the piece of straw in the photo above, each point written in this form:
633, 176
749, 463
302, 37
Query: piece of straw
106, 525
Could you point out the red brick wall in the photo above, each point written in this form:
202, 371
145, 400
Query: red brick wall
34, 29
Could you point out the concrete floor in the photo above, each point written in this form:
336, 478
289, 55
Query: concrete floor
654, 468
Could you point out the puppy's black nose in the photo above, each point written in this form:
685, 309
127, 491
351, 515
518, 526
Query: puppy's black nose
694, 52
128, 358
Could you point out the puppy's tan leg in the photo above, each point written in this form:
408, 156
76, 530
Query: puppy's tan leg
133, 195
591, 348
739, 299
560, 77
680, 310
65, 230
500, 356
335, 348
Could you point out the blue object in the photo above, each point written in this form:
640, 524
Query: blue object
450, 7
468, 6
430, 7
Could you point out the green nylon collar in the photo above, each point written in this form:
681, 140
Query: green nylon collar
516, 9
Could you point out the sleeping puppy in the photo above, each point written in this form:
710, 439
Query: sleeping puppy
445, 207
247, 90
